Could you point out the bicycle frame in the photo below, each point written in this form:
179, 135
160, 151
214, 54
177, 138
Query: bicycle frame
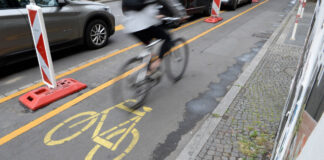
146, 57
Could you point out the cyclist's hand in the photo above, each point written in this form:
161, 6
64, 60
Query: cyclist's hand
160, 16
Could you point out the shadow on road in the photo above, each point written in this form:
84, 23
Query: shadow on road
27, 61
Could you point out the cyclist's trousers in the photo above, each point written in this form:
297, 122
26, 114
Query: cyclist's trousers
157, 32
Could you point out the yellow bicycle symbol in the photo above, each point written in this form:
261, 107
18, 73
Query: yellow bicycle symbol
102, 138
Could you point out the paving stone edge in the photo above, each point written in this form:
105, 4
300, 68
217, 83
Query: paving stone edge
196, 143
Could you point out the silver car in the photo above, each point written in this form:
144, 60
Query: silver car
232, 4
68, 22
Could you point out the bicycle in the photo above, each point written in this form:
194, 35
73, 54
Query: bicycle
138, 81
103, 139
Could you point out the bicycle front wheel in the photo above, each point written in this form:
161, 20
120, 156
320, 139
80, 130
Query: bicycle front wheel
132, 88
177, 60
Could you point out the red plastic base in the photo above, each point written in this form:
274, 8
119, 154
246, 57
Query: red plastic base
43, 96
255, 1
213, 19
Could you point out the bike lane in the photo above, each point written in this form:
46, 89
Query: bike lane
150, 134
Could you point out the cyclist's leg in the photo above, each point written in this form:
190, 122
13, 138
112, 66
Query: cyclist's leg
143, 36
160, 33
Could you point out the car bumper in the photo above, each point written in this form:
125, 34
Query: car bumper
225, 2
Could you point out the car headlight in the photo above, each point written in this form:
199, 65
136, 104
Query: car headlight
107, 9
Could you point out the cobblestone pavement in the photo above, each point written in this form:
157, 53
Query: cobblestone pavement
247, 129
255, 112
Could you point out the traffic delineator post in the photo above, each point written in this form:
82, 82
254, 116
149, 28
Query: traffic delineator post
302, 4
54, 90
215, 15
37, 25
303, 8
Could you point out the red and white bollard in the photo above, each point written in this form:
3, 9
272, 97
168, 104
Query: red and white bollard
43, 53
303, 7
54, 90
214, 18
302, 4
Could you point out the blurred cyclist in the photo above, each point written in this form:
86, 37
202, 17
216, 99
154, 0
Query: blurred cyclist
143, 20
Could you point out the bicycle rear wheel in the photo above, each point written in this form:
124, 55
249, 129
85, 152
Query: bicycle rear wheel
130, 89
177, 61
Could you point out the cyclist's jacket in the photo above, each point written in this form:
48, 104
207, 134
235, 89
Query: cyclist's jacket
141, 14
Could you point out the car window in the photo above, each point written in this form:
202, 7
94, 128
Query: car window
41, 3
7, 4
3, 4
23, 3
46, 3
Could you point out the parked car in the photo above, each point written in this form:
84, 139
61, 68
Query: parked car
197, 6
68, 22
204, 6
232, 4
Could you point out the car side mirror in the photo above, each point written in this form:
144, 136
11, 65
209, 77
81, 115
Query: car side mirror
61, 2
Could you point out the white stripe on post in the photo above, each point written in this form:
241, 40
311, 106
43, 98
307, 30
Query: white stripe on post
36, 29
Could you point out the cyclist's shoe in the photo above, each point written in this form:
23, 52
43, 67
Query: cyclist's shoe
156, 75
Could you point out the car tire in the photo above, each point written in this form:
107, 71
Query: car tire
96, 34
233, 5
207, 12
249, 1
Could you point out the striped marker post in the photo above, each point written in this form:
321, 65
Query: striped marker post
214, 18
298, 16
37, 25
43, 96
303, 8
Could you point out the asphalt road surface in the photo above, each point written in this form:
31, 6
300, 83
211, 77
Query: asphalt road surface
89, 125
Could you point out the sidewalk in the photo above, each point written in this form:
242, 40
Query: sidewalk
244, 124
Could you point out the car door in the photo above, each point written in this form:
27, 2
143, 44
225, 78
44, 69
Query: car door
14, 34
196, 3
60, 21
194, 6
184, 3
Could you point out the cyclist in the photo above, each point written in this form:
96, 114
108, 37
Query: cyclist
143, 21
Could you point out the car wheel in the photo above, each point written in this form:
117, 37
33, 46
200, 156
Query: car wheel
233, 6
96, 34
207, 12
249, 1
